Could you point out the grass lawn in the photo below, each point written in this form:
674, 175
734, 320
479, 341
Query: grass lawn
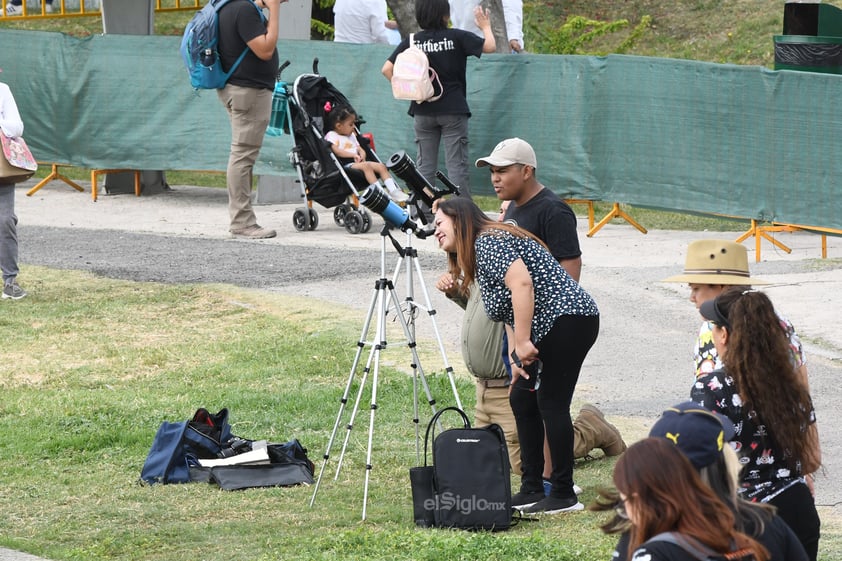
92, 366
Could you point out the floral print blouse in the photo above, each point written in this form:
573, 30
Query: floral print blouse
766, 472
556, 293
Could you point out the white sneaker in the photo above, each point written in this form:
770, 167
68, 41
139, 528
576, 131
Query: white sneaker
12, 10
48, 8
398, 196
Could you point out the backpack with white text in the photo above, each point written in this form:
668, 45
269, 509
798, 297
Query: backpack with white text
412, 77
199, 48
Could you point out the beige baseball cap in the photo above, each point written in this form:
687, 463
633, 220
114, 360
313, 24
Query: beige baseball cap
509, 152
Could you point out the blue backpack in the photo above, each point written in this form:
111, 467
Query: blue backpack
199, 48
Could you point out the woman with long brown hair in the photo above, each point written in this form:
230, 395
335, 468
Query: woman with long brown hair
673, 513
762, 393
551, 323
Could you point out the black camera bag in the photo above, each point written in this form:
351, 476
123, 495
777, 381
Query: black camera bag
469, 479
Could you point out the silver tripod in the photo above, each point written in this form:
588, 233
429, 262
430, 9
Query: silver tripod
384, 289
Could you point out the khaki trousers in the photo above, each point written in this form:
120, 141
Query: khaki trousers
493, 407
249, 110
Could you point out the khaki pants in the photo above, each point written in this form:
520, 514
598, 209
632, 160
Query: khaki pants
249, 110
493, 407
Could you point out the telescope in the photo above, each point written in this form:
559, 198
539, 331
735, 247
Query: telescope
377, 200
402, 165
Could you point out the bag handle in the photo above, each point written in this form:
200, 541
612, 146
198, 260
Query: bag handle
434, 420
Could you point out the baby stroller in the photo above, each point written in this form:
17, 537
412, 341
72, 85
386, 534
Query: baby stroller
323, 178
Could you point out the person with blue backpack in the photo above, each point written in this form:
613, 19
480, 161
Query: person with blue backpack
247, 96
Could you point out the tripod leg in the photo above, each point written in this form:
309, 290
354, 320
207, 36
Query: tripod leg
354, 413
344, 400
431, 312
418, 370
378, 346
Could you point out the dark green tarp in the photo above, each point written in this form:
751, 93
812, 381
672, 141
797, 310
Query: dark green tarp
684, 135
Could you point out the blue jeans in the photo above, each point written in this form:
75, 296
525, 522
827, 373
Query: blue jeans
430, 131
8, 233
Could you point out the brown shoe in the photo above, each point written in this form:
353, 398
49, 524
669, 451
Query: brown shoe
254, 232
606, 436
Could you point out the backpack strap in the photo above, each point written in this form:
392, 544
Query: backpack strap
434, 420
691, 545
219, 4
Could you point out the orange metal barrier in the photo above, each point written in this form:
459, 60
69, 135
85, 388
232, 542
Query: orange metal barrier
761, 232
96, 172
59, 8
54, 174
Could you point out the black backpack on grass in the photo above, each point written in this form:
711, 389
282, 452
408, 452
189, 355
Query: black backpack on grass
468, 486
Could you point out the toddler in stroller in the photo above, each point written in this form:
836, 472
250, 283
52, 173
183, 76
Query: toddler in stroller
324, 178
340, 122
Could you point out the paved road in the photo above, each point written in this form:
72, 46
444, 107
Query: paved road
640, 364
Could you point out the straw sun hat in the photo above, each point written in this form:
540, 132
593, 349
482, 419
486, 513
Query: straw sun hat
716, 262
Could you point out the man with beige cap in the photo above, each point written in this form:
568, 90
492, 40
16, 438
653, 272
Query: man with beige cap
711, 267
533, 207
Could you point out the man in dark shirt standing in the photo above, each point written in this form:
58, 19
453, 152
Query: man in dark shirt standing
533, 207
248, 99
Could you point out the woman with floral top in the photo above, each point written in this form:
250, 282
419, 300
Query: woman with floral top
762, 393
551, 324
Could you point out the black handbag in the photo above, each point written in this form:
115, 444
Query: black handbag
468, 486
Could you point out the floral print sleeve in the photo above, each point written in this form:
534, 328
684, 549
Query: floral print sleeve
765, 473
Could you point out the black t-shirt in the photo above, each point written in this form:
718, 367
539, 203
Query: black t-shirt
552, 220
240, 22
448, 51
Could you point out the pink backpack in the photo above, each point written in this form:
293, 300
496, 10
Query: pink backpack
412, 77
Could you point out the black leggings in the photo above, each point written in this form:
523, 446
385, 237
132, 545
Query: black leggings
562, 350
798, 509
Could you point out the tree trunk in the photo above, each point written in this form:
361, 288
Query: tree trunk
498, 24
404, 12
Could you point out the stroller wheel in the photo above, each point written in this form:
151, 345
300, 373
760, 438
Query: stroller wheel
301, 219
314, 219
366, 221
353, 222
339, 214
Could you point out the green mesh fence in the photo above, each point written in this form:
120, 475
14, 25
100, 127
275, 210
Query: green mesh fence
683, 135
